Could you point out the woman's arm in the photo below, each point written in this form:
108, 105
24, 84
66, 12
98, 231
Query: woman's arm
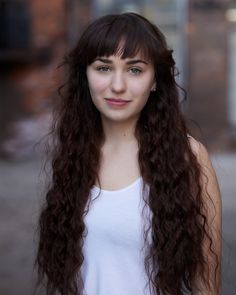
213, 213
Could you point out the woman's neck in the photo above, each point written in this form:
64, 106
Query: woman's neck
118, 134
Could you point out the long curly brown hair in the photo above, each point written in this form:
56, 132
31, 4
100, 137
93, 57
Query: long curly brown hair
167, 164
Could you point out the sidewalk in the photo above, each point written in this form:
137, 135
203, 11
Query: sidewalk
20, 189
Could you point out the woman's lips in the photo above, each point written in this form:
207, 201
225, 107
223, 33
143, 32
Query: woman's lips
117, 101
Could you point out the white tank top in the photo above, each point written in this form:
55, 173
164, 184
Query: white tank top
114, 245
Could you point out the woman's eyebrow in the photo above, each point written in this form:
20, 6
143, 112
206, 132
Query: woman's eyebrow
135, 61
105, 60
130, 62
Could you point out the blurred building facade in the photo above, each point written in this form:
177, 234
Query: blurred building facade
37, 34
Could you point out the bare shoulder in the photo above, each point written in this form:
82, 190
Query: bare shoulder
199, 150
202, 155
209, 179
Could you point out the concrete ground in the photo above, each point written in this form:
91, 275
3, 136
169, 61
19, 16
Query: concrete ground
21, 186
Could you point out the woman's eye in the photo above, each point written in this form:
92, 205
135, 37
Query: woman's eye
135, 71
103, 68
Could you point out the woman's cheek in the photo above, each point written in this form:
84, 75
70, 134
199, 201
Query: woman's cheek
98, 83
140, 88
102, 85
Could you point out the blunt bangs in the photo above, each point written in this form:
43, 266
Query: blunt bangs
122, 35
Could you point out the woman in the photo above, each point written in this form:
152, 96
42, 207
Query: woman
134, 205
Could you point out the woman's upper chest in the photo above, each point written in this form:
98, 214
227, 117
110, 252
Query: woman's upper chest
118, 168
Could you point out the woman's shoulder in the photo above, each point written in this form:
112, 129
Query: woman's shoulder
199, 150
209, 179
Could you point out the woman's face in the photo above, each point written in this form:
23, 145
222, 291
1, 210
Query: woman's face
120, 87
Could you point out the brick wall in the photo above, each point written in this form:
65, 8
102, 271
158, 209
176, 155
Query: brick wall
207, 71
29, 80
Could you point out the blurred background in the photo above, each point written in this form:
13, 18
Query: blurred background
34, 37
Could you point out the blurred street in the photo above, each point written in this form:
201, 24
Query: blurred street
21, 187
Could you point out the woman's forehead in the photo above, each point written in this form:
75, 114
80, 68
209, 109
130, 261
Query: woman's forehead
121, 53
124, 49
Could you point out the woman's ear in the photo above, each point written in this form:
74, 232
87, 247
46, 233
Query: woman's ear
154, 87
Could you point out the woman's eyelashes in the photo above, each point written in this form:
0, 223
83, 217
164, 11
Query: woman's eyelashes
134, 70
103, 68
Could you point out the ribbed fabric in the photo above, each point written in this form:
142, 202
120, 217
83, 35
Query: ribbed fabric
114, 245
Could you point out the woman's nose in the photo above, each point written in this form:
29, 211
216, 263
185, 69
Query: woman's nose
118, 83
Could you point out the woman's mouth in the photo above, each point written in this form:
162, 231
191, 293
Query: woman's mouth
117, 101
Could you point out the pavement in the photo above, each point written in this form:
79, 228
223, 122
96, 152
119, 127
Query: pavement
21, 188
